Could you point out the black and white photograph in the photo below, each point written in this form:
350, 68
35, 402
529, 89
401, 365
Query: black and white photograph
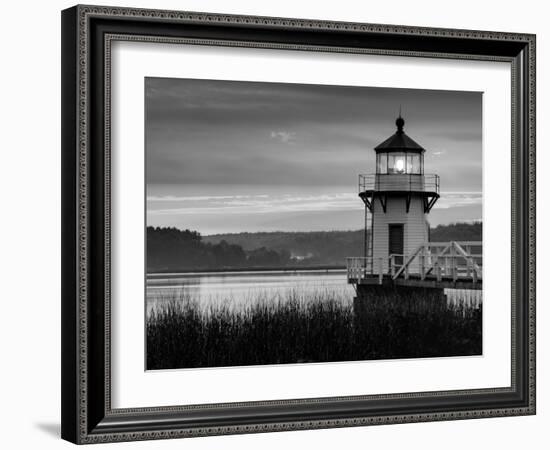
301, 223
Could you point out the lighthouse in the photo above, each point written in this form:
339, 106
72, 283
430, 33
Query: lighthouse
398, 198
398, 253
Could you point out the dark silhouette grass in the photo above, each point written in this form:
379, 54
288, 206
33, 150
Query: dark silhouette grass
288, 329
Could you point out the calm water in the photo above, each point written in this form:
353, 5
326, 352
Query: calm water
239, 288
236, 289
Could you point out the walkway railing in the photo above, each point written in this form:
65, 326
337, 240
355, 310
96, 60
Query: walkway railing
456, 261
359, 268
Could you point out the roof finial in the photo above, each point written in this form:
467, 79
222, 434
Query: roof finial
400, 122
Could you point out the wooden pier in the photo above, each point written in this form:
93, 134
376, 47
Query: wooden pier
451, 265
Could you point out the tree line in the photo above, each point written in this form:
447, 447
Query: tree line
175, 249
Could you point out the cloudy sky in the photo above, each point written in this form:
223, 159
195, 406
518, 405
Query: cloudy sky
229, 156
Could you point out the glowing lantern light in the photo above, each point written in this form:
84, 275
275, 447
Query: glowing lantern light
400, 166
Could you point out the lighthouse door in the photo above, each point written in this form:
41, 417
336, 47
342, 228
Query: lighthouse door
396, 242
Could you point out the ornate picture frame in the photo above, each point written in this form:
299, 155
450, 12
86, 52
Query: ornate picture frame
88, 33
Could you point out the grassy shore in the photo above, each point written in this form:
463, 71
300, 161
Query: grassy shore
321, 328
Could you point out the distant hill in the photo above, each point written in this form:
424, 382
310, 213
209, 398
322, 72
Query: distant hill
457, 232
174, 249
319, 247
332, 247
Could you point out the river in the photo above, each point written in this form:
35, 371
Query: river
238, 288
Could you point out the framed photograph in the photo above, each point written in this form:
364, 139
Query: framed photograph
279, 224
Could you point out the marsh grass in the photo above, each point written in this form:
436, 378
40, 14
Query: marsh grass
320, 327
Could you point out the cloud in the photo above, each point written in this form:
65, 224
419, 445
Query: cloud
233, 133
260, 204
209, 140
285, 137
197, 198
458, 199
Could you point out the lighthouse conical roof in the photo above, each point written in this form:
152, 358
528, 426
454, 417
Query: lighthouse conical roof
399, 141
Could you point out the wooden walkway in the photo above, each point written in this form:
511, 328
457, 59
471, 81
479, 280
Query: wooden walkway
452, 264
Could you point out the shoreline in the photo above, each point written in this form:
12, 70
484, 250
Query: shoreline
229, 270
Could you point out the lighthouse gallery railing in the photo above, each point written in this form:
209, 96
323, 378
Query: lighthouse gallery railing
399, 182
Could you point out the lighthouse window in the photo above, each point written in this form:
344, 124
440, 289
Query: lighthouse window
413, 164
409, 163
397, 163
382, 163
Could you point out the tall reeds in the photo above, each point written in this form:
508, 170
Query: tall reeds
319, 327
